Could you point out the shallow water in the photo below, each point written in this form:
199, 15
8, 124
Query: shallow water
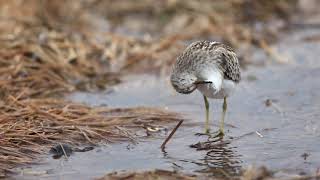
276, 136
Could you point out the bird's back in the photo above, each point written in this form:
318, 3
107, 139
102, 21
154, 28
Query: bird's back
202, 55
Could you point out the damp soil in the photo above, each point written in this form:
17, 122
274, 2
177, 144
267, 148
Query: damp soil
272, 121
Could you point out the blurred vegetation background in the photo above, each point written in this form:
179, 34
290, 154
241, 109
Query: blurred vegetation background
86, 44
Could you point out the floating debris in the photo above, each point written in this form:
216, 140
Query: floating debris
305, 156
259, 134
61, 150
272, 103
66, 150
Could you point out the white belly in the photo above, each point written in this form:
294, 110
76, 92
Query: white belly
226, 89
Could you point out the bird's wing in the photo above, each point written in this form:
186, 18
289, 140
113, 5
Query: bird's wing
230, 65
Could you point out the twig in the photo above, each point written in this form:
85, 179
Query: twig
64, 152
126, 134
86, 136
171, 134
259, 134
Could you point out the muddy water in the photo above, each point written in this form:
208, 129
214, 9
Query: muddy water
272, 120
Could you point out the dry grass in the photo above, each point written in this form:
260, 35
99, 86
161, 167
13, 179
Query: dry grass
35, 69
40, 66
29, 127
108, 27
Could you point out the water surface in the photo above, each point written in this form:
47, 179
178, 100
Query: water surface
272, 120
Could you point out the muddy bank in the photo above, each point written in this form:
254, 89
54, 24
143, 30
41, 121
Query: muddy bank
250, 173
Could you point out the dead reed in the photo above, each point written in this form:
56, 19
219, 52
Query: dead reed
47, 64
39, 65
29, 127
98, 27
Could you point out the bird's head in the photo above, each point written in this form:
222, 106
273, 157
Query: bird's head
183, 82
186, 83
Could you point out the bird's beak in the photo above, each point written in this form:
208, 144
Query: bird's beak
202, 82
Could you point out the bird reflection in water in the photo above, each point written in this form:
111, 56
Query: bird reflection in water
221, 159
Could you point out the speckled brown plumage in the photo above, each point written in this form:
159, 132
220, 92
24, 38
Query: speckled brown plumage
202, 54
210, 67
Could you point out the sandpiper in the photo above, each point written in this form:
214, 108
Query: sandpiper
212, 68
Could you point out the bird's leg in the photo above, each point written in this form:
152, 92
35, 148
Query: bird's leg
206, 103
220, 133
207, 129
224, 110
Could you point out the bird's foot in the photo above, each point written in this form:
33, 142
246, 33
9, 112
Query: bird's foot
216, 134
206, 133
202, 134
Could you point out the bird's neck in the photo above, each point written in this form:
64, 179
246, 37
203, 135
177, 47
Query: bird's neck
215, 76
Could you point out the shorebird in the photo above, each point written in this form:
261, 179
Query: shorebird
210, 67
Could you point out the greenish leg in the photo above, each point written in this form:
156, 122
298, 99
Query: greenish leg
224, 110
206, 103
